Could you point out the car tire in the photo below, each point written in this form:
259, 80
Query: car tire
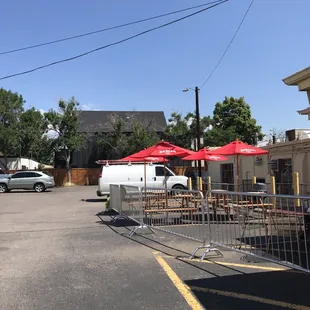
39, 187
178, 186
3, 188
176, 189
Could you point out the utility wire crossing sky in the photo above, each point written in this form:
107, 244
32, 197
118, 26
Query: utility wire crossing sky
114, 43
81, 35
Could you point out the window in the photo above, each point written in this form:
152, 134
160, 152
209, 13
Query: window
47, 173
19, 175
160, 172
30, 174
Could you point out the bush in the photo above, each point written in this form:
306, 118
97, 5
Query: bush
107, 204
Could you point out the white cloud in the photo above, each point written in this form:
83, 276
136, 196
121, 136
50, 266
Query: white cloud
89, 107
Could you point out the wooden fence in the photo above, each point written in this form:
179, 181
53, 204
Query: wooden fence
79, 176
83, 176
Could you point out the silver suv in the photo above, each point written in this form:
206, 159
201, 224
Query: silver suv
29, 180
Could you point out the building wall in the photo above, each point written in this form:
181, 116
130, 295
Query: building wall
247, 168
15, 163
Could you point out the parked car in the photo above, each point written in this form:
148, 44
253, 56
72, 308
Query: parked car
28, 180
133, 174
3, 175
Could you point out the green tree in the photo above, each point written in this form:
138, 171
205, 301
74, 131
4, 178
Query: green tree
32, 128
183, 131
114, 143
232, 119
126, 137
143, 136
11, 107
46, 150
177, 131
65, 123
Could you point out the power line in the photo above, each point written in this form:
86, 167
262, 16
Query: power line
228, 46
105, 29
112, 44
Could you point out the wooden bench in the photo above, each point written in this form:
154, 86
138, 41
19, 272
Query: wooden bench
190, 210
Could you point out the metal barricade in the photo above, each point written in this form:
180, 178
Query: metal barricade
222, 186
273, 227
178, 212
115, 201
115, 204
127, 201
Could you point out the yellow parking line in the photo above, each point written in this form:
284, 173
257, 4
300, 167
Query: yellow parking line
182, 288
251, 298
229, 264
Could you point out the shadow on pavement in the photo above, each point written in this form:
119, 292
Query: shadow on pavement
28, 191
157, 246
95, 200
120, 222
266, 290
294, 250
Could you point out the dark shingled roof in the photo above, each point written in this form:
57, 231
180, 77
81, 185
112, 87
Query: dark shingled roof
100, 121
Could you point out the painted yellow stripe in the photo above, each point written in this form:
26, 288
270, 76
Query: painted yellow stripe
182, 288
230, 264
251, 298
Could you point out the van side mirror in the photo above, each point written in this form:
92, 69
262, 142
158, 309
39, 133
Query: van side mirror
9, 177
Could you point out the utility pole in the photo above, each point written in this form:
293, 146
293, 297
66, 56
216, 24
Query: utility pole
198, 127
197, 124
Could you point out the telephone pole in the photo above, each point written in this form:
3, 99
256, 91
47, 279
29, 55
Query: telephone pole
197, 123
198, 127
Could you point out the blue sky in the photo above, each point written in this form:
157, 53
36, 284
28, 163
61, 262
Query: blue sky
149, 72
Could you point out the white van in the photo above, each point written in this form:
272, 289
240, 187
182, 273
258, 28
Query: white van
133, 174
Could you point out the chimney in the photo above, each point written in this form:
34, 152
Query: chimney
273, 139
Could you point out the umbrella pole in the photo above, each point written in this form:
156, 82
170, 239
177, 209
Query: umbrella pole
205, 177
165, 180
238, 185
144, 182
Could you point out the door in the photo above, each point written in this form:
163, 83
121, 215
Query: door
30, 179
17, 181
159, 179
227, 177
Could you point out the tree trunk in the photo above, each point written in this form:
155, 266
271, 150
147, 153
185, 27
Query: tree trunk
68, 167
5, 164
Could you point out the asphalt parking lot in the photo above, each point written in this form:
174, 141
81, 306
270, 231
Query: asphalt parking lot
54, 254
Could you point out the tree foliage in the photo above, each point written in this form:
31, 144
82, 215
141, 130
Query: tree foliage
118, 143
182, 131
32, 128
143, 135
232, 119
65, 123
11, 108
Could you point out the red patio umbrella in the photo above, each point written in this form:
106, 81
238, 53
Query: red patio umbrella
164, 150
152, 159
239, 148
206, 155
